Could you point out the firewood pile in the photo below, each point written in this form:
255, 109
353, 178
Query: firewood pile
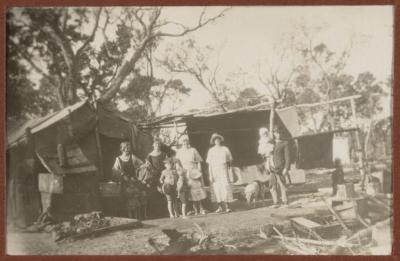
81, 223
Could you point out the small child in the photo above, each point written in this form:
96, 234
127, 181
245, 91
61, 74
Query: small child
183, 190
337, 175
168, 181
266, 149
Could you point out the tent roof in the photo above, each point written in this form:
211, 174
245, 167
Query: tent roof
41, 123
288, 116
38, 124
183, 117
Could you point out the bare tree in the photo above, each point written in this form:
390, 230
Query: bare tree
277, 73
190, 59
150, 30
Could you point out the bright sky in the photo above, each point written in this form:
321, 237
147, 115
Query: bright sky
249, 34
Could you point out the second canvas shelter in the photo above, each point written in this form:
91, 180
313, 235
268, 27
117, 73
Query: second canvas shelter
240, 129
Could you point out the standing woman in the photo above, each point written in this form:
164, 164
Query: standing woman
124, 169
190, 161
155, 160
219, 159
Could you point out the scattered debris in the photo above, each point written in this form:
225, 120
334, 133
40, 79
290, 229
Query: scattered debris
195, 243
307, 235
88, 225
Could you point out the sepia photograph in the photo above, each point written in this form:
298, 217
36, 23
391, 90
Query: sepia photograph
192, 130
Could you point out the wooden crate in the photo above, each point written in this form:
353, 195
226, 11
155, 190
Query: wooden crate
71, 183
110, 189
314, 229
297, 176
349, 209
64, 206
385, 178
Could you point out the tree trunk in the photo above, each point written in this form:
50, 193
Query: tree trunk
124, 71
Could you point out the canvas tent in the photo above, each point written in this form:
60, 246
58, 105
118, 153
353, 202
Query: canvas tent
71, 150
240, 129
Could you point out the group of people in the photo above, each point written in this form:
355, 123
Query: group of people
179, 177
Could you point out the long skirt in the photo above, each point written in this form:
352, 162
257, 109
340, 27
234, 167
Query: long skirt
222, 185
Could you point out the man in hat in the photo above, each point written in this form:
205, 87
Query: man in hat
281, 161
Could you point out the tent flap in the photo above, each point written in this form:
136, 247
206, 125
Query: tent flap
290, 119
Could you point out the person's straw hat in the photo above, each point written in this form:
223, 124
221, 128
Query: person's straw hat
216, 136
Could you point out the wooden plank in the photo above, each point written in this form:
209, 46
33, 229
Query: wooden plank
306, 222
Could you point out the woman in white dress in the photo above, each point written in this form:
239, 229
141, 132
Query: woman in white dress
219, 159
190, 161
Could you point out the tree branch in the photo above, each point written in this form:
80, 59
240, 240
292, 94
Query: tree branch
140, 20
199, 25
91, 37
65, 20
106, 41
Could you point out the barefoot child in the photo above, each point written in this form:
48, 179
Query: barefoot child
168, 182
183, 190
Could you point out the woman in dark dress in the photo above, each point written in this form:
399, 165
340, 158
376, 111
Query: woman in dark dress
155, 160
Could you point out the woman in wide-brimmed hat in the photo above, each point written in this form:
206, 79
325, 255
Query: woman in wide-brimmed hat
190, 160
219, 160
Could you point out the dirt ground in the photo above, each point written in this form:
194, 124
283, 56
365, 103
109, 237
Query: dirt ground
239, 228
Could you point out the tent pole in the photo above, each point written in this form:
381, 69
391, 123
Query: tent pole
98, 144
271, 119
360, 149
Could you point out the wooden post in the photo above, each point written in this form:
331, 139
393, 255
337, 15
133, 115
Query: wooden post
176, 133
360, 150
98, 143
271, 119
